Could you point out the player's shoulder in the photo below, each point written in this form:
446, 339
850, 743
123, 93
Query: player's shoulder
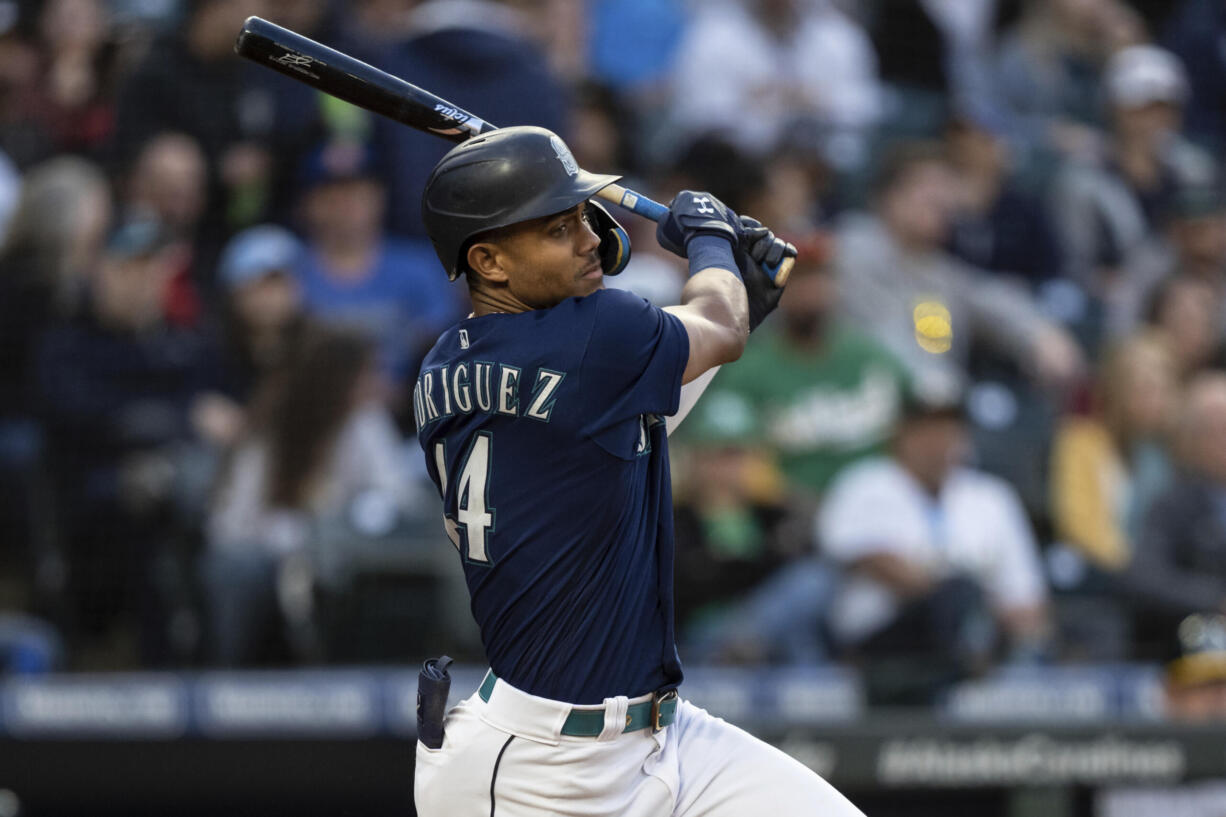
444, 348
605, 310
610, 298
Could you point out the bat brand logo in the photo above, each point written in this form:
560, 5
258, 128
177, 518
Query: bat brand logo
297, 60
564, 156
704, 205
450, 112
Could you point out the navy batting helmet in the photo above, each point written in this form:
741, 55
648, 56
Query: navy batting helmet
507, 176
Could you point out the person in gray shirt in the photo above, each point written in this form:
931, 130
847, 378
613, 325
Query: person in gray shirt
899, 283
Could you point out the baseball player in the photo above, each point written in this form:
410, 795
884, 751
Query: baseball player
542, 420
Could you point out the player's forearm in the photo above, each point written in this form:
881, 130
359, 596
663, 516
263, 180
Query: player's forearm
715, 286
719, 296
716, 318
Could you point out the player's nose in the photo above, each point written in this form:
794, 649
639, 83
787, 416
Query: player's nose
588, 240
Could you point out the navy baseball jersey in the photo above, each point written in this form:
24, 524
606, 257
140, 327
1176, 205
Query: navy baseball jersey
544, 434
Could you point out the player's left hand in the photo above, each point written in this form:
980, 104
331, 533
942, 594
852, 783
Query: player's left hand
758, 257
691, 214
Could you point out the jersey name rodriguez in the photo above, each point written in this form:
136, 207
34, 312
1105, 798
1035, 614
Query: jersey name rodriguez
486, 387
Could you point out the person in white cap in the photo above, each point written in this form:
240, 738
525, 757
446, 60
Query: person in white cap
1111, 211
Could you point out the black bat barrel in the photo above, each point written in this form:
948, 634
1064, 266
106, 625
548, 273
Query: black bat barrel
353, 81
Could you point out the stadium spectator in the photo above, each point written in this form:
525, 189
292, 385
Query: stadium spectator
19, 67
825, 392
998, 225
1192, 35
1193, 693
318, 440
127, 402
168, 182
54, 241
746, 71
1189, 312
632, 44
933, 56
938, 559
353, 274
1195, 248
1111, 210
601, 129
799, 189
1198, 234
302, 116
189, 82
1048, 70
265, 316
1192, 249
373, 25
73, 104
1177, 566
1108, 467
897, 281
1195, 673
560, 28
504, 78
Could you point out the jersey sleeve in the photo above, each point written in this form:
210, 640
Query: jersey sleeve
633, 362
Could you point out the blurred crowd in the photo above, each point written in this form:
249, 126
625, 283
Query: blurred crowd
986, 426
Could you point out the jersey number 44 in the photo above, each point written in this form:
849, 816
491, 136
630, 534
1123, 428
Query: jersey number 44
472, 524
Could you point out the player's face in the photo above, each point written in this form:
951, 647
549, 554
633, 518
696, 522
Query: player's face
548, 260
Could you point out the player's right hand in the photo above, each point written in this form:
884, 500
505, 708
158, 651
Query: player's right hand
691, 214
758, 257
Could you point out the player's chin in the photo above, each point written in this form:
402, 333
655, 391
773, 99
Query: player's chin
586, 286
590, 280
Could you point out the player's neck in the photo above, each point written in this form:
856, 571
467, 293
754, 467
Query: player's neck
487, 301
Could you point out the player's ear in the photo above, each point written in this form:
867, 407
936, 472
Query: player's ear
486, 260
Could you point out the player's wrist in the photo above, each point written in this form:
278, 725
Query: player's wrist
706, 250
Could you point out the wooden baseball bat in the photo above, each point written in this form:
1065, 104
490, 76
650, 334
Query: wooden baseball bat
365, 86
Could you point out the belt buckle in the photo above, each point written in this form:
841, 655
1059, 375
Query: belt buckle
658, 698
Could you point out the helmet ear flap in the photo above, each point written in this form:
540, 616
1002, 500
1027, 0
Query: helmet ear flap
614, 240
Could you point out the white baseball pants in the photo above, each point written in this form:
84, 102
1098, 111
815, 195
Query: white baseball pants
508, 758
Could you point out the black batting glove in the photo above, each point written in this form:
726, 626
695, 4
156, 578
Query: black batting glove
691, 214
759, 257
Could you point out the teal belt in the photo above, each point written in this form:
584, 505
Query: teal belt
657, 713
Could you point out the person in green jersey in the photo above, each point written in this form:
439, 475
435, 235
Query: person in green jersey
827, 394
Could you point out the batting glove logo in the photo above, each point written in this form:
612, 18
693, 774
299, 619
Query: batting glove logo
704, 205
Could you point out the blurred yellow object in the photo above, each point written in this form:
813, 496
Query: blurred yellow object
933, 327
764, 481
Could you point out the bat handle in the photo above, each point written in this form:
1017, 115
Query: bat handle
648, 208
635, 202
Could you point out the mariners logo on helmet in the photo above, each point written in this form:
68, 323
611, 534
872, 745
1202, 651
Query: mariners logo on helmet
564, 156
